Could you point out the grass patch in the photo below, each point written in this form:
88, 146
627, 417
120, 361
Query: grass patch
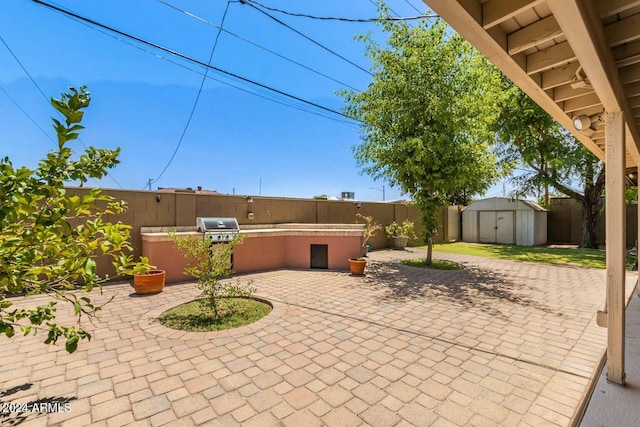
591, 258
191, 317
436, 264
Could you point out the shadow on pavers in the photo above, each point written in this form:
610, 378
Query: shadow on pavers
471, 287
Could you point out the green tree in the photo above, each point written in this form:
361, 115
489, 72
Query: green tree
550, 157
426, 116
209, 263
49, 240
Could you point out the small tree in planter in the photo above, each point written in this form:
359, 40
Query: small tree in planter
400, 233
370, 230
208, 263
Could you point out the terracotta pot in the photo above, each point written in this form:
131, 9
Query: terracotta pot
357, 266
150, 283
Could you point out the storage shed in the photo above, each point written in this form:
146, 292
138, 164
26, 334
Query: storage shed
500, 220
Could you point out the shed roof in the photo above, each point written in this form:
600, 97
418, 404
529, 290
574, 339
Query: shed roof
502, 203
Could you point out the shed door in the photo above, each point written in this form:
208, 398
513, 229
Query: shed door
487, 227
504, 227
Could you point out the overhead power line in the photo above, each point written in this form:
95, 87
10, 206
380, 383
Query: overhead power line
46, 98
26, 114
194, 16
23, 68
195, 103
327, 18
256, 91
190, 59
416, 9
305, 36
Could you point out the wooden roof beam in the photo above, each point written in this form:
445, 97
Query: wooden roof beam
495, 12
565, 92
632, 90
581, 25
630, 74
627, 54
613, 7
581, 103
559, 76
549, 58
623, 31
532, 35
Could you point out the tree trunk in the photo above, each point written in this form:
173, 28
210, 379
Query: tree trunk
589, 219
590, 204
429, 249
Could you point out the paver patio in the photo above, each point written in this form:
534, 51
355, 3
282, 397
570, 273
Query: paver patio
498, 343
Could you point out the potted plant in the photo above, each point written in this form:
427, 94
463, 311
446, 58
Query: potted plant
357, 265
149, 280
400, 233
370, 229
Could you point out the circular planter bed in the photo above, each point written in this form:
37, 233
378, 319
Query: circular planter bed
233, 312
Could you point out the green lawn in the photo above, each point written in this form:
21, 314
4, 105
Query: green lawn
591, 258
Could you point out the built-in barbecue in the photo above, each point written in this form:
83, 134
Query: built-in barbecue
218, 229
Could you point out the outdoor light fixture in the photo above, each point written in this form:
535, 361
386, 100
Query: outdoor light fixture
581, 122
249, 199
358, 205
584, 123
158, 198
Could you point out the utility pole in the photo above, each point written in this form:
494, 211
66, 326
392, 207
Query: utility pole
383, 195
149, 183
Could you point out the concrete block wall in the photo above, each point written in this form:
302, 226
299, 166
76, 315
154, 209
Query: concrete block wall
180, 208
564, 223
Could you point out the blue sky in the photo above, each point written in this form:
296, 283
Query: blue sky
236, 141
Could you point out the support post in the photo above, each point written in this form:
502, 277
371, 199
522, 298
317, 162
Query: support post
615, 244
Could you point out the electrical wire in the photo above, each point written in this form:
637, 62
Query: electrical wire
326, 18
255, 91
193, 60
26, 114
304, 36
194, 16
46, 99
23, 68
416, 9
376, 6
195, 103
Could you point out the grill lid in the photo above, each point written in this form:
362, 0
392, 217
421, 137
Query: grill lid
216, 224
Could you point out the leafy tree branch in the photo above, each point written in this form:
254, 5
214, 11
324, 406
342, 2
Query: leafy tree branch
49, 239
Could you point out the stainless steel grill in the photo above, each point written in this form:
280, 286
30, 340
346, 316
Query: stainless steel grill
218, 229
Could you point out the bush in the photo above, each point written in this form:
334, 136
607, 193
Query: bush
406, 229
208, 263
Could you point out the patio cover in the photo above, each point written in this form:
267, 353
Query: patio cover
575, 58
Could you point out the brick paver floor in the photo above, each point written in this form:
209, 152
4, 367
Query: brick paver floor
498, 343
